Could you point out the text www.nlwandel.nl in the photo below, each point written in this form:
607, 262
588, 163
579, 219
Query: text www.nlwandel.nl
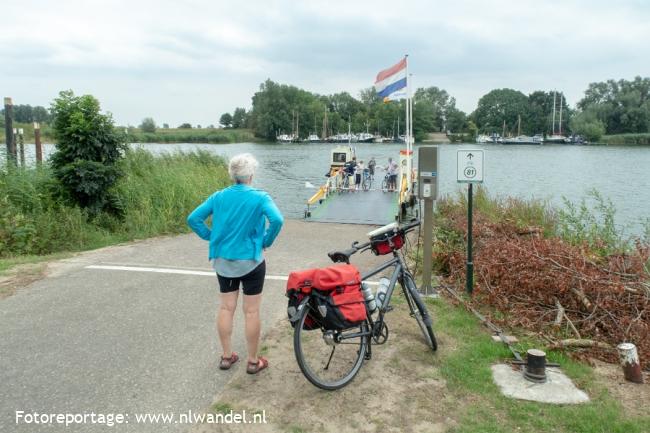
114, 419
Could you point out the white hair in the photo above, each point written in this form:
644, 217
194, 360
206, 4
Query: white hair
242, 167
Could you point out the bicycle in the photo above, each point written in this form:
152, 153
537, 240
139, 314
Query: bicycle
366, 183
385, 183
315, 346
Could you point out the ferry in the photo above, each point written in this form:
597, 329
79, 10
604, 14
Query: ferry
334, 202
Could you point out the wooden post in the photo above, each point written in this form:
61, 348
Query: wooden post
37, 142
9, 130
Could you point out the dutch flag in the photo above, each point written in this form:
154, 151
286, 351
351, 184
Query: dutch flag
391, 83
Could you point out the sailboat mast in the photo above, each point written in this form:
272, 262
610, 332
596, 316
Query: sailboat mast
518, 125
560, 125
553, 112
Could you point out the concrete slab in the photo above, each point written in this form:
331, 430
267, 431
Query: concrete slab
558, 389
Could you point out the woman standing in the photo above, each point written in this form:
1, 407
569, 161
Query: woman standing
237, 238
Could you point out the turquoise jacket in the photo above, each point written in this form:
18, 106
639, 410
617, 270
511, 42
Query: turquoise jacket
239, 215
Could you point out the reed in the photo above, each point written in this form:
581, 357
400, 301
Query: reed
154, 197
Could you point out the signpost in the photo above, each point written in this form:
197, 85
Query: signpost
470, 171
428, 157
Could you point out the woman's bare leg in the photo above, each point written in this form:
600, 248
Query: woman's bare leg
225, 316
252, 317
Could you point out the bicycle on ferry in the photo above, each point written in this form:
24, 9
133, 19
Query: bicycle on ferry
366, 181
337, 318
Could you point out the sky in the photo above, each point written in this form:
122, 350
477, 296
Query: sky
191, 61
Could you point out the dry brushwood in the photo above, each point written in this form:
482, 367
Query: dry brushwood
541, 282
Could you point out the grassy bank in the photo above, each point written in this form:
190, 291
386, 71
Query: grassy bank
155, 196
626, 139
192, 136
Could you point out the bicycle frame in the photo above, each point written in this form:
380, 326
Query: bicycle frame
399, 265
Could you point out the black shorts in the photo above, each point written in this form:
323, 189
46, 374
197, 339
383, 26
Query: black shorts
253, 281
357, 178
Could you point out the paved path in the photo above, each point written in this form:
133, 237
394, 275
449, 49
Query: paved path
117, 341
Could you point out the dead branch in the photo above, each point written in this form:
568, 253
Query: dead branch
579, 343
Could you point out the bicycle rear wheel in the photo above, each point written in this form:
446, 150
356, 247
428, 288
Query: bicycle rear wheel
328, 359
384, 185
419, 310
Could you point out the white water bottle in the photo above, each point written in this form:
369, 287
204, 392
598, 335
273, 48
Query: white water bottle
380, 297
369, 297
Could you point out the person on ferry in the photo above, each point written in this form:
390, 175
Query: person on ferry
349, 167
371, 167
358, 172
391, 169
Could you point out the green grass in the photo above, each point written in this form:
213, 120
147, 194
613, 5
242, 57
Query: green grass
8, 263
156, 194
223, 408
467, 372
641, 139
204, 135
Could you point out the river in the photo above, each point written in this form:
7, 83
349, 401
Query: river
549, 172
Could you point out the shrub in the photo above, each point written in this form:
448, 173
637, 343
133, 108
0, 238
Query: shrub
87, 152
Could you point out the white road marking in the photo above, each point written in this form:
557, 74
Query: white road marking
182, 272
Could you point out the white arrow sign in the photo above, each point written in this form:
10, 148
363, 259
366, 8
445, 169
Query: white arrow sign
470, 165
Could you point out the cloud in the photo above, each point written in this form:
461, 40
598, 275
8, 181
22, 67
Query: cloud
138, 57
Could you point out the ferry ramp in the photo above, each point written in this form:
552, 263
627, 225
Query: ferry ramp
374, 207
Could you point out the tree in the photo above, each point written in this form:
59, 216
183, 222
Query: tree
88, 151
499, 106
165, 125
148, 125
587, 124
185, 126
622, 106
226, 120
239, 118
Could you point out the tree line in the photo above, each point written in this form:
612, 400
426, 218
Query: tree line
25, 113
610, 107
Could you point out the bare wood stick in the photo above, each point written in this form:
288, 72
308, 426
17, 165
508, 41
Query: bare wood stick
581, 343
583, 298
560, 313
575, 331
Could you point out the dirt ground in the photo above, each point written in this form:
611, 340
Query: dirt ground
635, 398
400, 386
21, 276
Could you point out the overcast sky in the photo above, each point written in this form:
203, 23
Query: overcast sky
191, 60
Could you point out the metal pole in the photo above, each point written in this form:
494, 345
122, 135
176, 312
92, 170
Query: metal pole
470, 263
427, 238
9, 129
37, 142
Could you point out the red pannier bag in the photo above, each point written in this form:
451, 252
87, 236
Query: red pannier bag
336, 296
299, 285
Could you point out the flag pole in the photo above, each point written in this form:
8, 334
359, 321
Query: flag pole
409, 128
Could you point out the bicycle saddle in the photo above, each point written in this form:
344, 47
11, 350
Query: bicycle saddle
341, 256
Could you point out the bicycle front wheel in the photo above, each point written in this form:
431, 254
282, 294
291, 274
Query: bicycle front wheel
419, 310
328, 359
